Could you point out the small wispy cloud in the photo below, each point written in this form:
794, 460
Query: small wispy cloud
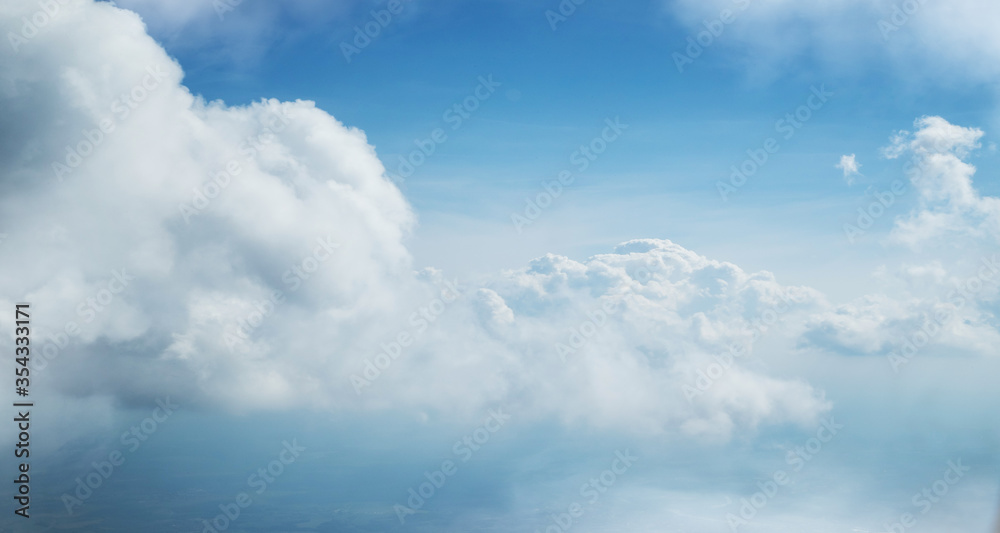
849, 164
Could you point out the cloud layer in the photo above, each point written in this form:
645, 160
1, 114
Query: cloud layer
252, 258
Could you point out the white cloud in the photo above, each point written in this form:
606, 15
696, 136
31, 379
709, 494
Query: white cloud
303, 180
613, 341
120, 209
955, 293
276, 222
949, 204
849, 164
71, 244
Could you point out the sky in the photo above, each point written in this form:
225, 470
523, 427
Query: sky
557, 88
692, 266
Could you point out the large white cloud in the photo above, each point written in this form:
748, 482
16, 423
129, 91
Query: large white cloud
156, 227
620, 340
112, 165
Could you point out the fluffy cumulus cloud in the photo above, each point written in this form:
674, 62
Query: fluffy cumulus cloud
950, 206
950, 302
642, 338
160, 223
252, 258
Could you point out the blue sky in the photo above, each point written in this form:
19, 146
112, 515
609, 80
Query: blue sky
726, 335
686, 128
